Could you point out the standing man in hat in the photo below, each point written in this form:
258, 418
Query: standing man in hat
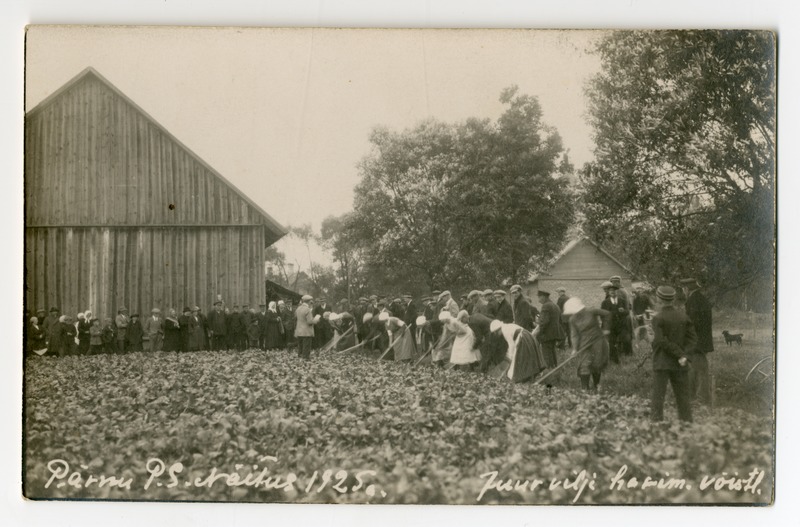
698, 309
524, 313
504, 313
549, 331
448, 304
122, 322
153, 327
218, 327
674, 340
322, 331
304, 330
619, 323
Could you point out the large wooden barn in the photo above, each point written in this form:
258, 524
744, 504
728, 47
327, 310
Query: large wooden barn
580, 268
118, 212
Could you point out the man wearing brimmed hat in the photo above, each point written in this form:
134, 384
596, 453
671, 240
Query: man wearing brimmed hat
410, 312
504, 313
153, 327
674, 340
448, 304
304, 330
698, 309
524, 313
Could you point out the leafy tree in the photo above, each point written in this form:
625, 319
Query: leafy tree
683, 178
465, 204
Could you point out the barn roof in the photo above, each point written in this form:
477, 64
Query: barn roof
569, 247
276, 230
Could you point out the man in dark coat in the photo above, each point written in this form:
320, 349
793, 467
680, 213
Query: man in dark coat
504, 313
237, 331
560, 301
619, 323
186, 324
698, 309
524, 313
410, 312
549, 331
218, 327
488, 297
674, 340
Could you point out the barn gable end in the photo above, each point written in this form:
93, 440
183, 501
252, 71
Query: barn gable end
118, 212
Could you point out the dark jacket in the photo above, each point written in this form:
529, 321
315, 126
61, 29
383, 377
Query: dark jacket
698, 309
620, 319
410, 314
504, 312
673, 337
550, 327
524, 313
217, 323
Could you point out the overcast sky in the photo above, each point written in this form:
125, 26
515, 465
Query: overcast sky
285, 114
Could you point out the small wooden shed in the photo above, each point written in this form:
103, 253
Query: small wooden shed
580, 268
119, 212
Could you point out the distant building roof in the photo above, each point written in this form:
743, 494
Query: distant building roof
584, 272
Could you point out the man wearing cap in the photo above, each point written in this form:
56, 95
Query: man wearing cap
504, 313
549, 331
674, 340
358, 317
491, 303
153, 327
304, 330
218, 327
448, 304
122, 322
524, 313
698, 309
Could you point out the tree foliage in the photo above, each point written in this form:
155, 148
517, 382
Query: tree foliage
683, 178
477, 202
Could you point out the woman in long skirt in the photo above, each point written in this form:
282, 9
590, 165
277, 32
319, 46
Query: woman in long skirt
172, 332
589, 328
404, 349
524, 359
273, 327
464, 352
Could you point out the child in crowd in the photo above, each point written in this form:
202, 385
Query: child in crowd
109, 336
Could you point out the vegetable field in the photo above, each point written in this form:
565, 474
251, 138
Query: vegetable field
268, 427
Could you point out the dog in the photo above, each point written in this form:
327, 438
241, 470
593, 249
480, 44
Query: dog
730, 338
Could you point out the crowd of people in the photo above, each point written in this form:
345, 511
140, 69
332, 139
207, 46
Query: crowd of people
493, 332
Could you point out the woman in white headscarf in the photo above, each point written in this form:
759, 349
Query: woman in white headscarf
589, 328
273, 327
524, 358
464, 352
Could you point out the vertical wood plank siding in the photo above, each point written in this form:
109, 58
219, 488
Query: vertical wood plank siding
102, 269
100, 176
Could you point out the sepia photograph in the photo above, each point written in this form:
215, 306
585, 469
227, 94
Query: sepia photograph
400, 266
